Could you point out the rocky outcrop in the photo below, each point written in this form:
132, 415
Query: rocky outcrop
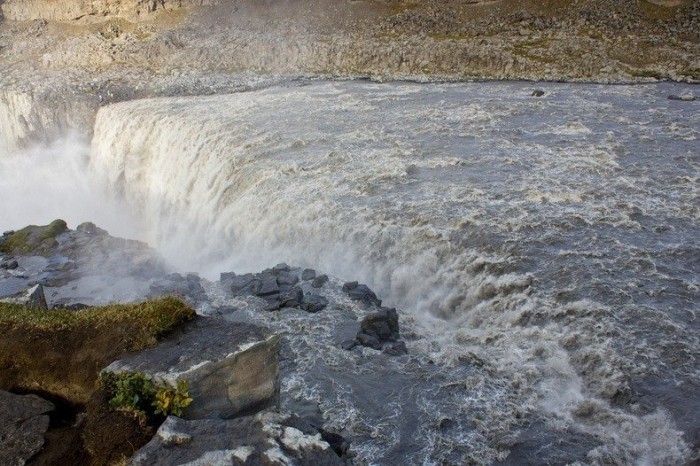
255, 440
232, 369
23, 423
85, 266
66, 10
32, 297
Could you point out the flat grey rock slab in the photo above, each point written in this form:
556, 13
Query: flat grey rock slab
232, 368
264, 439
23, 424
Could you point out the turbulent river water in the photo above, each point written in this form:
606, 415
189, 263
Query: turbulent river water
545, 251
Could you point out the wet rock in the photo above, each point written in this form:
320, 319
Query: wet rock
286, 278
242, 284
292, 298
23, 424
319, 281
268, 286
537, 93
314, 303
9, 265
682, 97
348, 344
384, 325
188, 287
33, 297
396, 349
370, 341
232, 368
8, 232
363, 293
91, 229
380, 330
253, 440
308, 274
280, 268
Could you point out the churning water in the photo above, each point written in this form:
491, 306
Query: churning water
546, 252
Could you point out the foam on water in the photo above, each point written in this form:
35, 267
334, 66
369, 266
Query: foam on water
546, 250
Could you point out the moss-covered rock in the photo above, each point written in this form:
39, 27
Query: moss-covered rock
39, 240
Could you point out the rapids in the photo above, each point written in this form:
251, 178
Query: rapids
545, 251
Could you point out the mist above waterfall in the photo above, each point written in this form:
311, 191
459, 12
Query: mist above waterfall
44, 182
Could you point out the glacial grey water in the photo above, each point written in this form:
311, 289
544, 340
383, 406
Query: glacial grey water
545, 252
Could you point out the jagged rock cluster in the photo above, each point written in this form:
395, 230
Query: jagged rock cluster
231, 368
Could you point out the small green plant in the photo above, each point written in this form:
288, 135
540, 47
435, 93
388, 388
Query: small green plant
137, 392
171, 400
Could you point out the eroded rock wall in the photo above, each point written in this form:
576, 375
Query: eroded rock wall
66, 10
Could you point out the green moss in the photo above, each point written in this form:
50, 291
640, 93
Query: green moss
34, 239
146, 321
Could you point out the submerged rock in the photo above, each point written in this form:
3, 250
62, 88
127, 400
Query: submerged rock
232, 368
9, 265
23, 424
682, 97
253, 440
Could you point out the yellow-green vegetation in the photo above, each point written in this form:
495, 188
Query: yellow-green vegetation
138, 392
148, 320
34, 239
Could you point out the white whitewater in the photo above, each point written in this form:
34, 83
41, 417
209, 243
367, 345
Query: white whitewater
539, 239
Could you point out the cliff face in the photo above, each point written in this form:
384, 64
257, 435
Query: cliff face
68, 10
54, 53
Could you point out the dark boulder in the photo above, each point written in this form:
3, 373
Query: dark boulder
292, 298
308, 274
319, 281
380, 331
9, 265
314, 303
23, 424
537, 93
361, 293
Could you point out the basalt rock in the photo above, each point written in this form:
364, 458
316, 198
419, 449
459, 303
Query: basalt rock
188, 288
23, 424
380, 331
252, 440
361, 293
32, 297
232, 369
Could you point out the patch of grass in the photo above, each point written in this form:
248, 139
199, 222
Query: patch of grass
147, 321
34, 239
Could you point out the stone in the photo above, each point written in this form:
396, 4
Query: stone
91, 229
268, 286
319, 281
537, 93
267, 438
682, 97
369, 341
8, 232
384, 325
347, 286
364, 294
32, 297
286, 278
243, 284
292, 298
9, 265
281, 268
23, 425
232, 368
308, 274
314, 303
188, 287
348, 344
396, 349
